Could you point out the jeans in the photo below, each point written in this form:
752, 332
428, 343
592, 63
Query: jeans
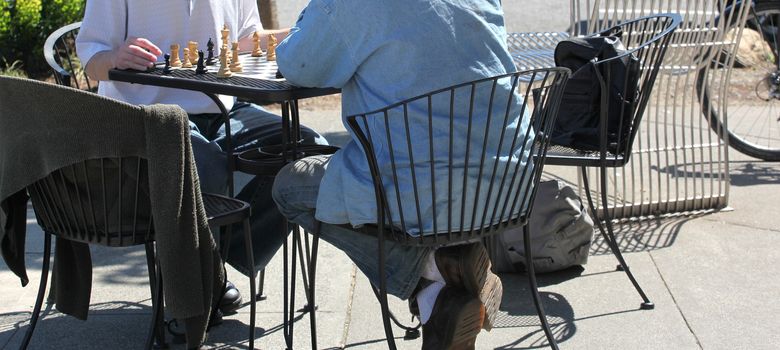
295, 192
250, 126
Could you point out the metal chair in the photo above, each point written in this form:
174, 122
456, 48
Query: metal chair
647, 39
83, 202
683, 127
506, 118
59, 50
60, 53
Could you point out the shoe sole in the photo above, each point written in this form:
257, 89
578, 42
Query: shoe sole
231, 308
479, 281
490, 295
468, 324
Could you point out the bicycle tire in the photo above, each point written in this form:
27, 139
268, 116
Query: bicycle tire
742, 132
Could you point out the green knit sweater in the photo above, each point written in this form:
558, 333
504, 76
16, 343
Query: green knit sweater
44, 127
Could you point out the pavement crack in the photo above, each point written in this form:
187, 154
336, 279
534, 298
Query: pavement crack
737, 224
350, 299
676, 304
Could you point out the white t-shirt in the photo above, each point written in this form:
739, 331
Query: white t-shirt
107, 23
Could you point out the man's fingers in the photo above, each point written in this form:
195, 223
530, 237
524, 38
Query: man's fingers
148, 45
128, 60
133, 65
141, 53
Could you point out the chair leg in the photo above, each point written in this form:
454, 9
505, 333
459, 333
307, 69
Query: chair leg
529, 267
41, 290
383, 296
412, 332
607, 232
285, 296
50, 299
155, 284
305, 261
250, 262
290, 309
261, 286
312, 276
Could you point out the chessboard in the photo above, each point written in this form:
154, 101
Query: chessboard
253, 67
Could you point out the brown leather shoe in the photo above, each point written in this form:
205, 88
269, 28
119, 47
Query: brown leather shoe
455, 322
467, 266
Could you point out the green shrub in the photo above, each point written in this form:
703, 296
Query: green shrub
13, 69
25, 24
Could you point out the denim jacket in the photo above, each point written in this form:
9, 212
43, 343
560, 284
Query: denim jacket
380, 52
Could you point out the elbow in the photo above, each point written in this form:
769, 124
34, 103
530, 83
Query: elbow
297, 72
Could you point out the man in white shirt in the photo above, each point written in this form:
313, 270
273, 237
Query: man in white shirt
129, 34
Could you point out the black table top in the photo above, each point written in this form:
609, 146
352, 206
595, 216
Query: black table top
254, 89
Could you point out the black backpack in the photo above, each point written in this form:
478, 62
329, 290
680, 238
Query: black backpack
577, 125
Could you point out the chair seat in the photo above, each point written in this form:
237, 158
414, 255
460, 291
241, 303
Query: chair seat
222, 210
562, 155
440, 239
534, 50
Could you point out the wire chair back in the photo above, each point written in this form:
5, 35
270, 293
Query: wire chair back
101, 201
59, 50
646, 40
460, 163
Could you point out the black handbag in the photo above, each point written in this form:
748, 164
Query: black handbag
577, 125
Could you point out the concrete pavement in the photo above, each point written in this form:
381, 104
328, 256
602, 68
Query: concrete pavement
713, 277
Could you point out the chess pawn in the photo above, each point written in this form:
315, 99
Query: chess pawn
271, 51
256, 52
224, 70
186, 63
167, 68
235, 65
193, 52
201, 67
175, 61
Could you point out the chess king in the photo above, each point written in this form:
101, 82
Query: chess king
130, 35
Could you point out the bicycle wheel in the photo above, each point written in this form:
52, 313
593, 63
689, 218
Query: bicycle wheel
752, 115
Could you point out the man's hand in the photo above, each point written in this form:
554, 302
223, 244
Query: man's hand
135, 53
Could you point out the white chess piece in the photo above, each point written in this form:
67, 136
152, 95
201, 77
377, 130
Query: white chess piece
235, 64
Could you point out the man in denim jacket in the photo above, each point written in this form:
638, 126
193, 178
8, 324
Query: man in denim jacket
381, 52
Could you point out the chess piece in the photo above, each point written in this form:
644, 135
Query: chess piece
210, 59
235, 65
225, 33
224, 70
256, 52
167, 68
175, 61
186, 63
224, 48
193, 45
201, 69
271, 51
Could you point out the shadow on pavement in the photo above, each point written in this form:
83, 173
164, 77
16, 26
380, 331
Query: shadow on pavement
742, 173
635, 235
110, 324
520, 312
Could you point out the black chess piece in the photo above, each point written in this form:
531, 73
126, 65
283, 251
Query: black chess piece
210, 61
201, 68
167, 68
